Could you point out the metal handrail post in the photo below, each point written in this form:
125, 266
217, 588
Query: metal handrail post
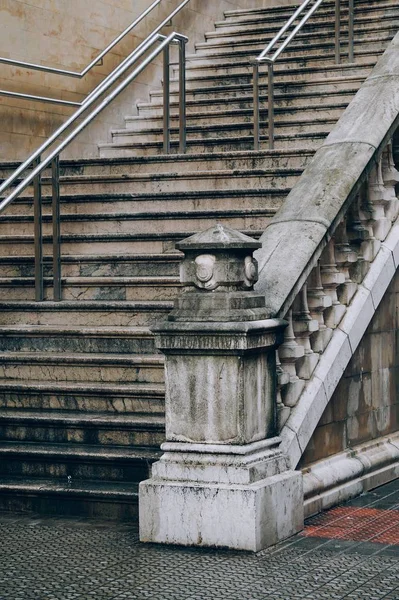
351, 52
38, 234
182, 98
166, 99
337, 31
270, 102
55, 178
256, 106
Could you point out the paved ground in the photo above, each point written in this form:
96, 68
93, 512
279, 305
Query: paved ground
350, 552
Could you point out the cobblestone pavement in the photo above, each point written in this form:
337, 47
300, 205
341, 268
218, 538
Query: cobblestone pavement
350, 552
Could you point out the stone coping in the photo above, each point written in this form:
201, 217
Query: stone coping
297, 234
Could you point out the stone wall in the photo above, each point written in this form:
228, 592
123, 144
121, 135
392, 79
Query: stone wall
68, 35
364, 405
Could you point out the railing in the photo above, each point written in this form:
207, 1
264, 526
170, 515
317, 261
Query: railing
93, 63
330, 252
39, 164
271, 54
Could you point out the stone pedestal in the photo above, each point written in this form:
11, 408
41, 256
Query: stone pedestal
223, 480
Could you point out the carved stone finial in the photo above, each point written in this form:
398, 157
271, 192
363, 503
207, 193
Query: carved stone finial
218, 273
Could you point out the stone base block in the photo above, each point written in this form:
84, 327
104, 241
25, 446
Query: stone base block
241, 517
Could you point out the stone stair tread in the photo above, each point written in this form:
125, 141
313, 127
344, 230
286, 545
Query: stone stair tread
94, 280
65, 329
81, 358
79, 451
103, 490
88, 305
90, 387
134, 420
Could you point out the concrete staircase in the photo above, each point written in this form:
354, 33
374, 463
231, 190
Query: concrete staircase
81, 388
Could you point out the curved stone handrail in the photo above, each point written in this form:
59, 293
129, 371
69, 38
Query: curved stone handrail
297, 234
337, 231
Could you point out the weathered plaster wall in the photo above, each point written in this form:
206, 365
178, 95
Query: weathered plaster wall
68, 34
365, 404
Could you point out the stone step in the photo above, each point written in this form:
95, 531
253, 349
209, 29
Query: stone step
213, 202
364, 41
156, 265
305, 39
81, 368
283, 75
89, 244
300, 101
85, 314
80, 398
306, 124
279, 15
138, 186
309, 141
97, 340
290, 60
115, 223
227, 116
291, 89
314, 28
67, 464
181, 163
74, 428
284, 11
94, 288
113, 501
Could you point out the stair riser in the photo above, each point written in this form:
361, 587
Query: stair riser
219, 145
283, 75
317, 27
191, 163
113, 404
81, 373
239, 129
67, 505
246, 103
130, 226
114, 318
80, 469
133, 292
90, 247
324, 12
80, 269
143, 125
189, 183
177, 203
284, 12
63, 343
324, 46
304, 42
288, 62
241, 92
103, 436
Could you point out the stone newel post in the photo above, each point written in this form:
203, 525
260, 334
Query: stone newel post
222, 480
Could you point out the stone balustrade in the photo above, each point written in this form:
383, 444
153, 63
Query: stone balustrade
319, 307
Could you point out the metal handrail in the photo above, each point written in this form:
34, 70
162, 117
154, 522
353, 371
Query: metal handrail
94, 62
270, 60
39, 164
46, 99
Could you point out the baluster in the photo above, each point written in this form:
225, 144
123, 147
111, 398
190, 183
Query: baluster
283, 378
289, 352
390, 177
318, 302
378, 199
304, 326
331, 278
345, 256
361, 237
